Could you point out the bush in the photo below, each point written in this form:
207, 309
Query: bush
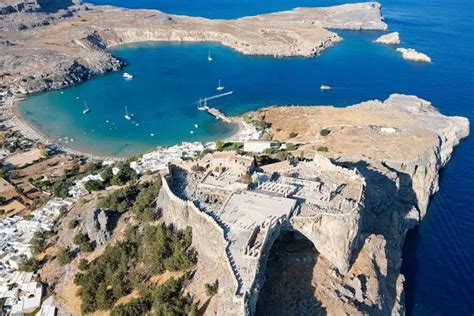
246, 178
324, 132
64, 256
290, 146
292, 135
30, 265
197, 168
83, 264
39, 241
211, 289
83, 242
323, 149
72, 224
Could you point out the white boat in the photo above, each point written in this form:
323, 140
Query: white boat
196, 126
324, 87
127, 76
209, 58
127, 116
191, 132
202, 106
219, 87
86, 108
151, 134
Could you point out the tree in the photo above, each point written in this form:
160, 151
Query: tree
323, 149
83, 264
94, 185
64, 256
30, 265
83, 242
211, 289
107, 175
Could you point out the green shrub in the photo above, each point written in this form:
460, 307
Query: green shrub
64, 256
30, 265
323, 149
83, 264
324, 132
94, 185
211, 289
72, 224
292, 135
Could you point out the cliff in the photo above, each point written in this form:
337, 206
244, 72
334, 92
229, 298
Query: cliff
49, 50
379, 185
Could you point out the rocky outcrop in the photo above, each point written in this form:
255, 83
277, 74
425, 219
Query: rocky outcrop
54, 49
389, 39
98, 225
359, 252
412, 55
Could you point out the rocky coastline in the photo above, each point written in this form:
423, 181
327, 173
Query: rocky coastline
51, 49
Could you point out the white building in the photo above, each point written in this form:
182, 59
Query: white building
258, 146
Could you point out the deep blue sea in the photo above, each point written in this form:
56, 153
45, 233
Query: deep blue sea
438, 259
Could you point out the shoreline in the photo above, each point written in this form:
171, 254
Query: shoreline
15, 121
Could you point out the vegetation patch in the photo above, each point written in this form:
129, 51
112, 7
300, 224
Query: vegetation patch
130, 264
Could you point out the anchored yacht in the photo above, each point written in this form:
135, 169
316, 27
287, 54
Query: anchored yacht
219, 87
86, 108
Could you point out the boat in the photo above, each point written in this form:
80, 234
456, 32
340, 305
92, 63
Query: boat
219, 87
191, 132
127, 76
127, 116
202, 105
324, 87
151, 134
209, 58
86, 108
196, 126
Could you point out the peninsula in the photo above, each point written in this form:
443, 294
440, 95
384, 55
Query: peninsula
50, 48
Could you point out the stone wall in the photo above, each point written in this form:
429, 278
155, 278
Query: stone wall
208, 241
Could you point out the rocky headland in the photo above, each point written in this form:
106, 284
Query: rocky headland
381, 161
53, 44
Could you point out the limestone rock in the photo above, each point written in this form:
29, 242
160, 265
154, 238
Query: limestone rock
412, 55
98, 225
389, 39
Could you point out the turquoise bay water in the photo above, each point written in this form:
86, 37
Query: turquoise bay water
438, 259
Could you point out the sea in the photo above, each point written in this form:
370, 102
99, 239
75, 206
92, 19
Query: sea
438, 256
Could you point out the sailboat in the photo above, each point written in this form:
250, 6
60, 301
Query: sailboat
219, 87
209, 56
86, 108
203, 106
127, 116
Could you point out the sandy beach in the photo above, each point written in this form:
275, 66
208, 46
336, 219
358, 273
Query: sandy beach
13, 119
